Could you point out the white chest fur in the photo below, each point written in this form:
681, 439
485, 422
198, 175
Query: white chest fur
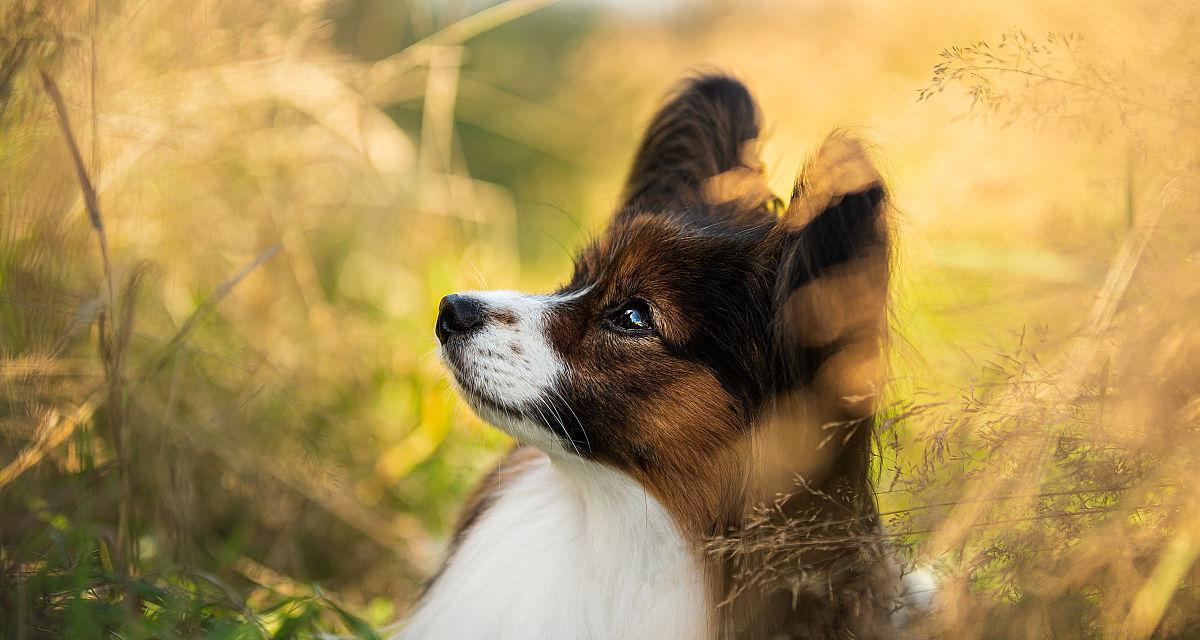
575, 552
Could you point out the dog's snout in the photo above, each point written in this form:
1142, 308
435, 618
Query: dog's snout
458, 315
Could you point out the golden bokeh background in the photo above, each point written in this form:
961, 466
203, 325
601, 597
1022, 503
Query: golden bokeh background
237, 399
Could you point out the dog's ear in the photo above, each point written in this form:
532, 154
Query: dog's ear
812, 441
700, 147
832, 248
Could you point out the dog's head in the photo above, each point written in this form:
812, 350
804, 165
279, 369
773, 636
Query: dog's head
696, 314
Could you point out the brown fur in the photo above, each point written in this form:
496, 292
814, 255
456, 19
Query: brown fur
763, 364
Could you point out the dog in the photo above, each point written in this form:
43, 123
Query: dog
692, 409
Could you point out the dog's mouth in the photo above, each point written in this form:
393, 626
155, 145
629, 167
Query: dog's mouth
479, 399
537, 424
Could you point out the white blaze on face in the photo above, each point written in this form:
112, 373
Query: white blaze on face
513, 363
510, 362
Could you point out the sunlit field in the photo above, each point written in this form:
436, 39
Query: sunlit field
225, 228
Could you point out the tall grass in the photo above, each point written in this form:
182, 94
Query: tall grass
1057, 493
213, 320
222, 238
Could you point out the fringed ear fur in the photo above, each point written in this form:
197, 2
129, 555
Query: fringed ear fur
831, 252
699, 150
832, 278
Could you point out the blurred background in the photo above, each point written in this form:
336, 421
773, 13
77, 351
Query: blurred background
225, 226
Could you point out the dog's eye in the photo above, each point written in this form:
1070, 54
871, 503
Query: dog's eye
633, 317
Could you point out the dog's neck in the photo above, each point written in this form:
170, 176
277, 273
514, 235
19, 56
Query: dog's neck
572, 548
569, 548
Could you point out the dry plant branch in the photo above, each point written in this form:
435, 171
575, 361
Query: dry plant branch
91, 202
387, 70
56, 428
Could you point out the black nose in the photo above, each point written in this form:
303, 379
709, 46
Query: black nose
457, 314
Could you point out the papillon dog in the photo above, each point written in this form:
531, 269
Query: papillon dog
692, 410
